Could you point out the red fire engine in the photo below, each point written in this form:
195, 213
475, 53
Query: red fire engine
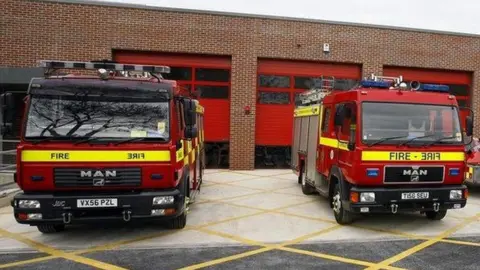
382, 146
124, 144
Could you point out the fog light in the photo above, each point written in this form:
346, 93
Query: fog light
367, 197
163, 200
34, 216
28, 204
455, 194
158, 212
364, 210
457, 206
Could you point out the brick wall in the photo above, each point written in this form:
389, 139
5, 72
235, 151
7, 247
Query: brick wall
33, 30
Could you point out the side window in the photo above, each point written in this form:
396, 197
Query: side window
325, 120
349, 121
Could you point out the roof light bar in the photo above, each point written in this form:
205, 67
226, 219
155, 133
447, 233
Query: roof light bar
435, 88
378, 84
108, 66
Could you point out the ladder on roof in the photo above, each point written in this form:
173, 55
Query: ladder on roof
316, 95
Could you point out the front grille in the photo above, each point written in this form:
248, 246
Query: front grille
92, 177
414, 174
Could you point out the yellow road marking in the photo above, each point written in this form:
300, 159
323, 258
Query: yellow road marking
334, 258
423, 245
261, 211
52, 251
226, 259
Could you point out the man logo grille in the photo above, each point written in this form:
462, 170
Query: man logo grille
98, 174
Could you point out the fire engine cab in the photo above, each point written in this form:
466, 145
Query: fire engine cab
123, 144
382, 146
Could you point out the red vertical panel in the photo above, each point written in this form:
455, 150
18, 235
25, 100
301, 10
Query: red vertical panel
274, 123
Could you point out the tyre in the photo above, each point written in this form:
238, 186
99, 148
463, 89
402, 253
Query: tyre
307, 189
432, 215
50, 228
181, 221
342, 216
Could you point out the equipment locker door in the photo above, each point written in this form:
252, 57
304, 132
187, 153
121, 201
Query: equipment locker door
324, 161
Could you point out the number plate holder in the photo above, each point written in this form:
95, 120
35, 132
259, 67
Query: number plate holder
97, 203
415, 195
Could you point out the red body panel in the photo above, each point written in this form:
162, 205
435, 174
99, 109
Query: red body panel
217, 120
274, 121
28, 169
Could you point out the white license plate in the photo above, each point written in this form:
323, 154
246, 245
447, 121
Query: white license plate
88, 203
415, 196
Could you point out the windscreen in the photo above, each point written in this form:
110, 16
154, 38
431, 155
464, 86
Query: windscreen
66, 117
393, 123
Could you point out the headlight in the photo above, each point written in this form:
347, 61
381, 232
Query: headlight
163, 200
367, 197
455, 194
28, 204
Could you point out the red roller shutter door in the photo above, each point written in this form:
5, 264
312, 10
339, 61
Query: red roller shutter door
460, 82
278, 84
208, 76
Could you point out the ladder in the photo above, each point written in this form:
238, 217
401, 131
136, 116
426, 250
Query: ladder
316, 95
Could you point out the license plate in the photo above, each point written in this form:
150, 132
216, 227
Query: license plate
415, 196
87, 203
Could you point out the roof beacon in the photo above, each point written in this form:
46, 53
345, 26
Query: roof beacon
398, 83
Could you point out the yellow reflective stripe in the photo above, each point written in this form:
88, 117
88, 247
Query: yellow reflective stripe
200, 109
412, 156
334, 143
93, 156
306, 111
193, 155
180, 154
470, 170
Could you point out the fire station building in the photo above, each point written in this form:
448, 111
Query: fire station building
246, 70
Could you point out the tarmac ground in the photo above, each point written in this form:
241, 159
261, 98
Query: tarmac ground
253, 220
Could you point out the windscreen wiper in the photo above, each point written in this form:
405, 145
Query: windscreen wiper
414, 138
42, 139
440, 139
130, 140
385, 139
89, 139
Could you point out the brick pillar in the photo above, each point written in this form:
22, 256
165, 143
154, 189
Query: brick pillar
242, 126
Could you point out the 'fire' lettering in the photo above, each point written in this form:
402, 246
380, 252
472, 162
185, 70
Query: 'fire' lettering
59, 156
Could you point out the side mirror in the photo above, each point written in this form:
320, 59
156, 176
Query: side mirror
190, 132
469, 126
189, 110
7, 107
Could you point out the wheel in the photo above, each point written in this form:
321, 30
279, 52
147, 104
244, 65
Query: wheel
181, 221
50, 228
342, 216
307, 189
432, 215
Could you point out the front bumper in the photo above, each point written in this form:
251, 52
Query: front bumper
389, 200
63, 209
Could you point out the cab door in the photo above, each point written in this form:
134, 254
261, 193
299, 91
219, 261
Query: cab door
325, 148
346, 133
